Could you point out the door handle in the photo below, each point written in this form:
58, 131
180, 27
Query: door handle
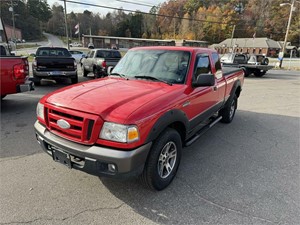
215, 88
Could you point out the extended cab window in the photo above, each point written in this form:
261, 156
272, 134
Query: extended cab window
108, 54
202, 65
217, 63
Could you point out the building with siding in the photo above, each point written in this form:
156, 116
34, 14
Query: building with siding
264, 46
127, 42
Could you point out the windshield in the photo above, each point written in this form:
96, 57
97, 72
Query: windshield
167, 65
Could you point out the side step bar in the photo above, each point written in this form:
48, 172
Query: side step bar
202, 131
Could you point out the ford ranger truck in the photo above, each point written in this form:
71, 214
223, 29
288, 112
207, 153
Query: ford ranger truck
14, 72
137, 120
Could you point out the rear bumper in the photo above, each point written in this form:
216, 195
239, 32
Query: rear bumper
95, 160
27, 86
54, 74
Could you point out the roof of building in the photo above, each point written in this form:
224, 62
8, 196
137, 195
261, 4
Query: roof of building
142, 39
250, 43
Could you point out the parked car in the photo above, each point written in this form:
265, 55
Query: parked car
256, 64
75, 44
137, 120
98, 60
54, 63
77, 55
14, 71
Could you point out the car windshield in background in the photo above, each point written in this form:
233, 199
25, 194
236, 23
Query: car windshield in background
61, 52
108, 54
167, 65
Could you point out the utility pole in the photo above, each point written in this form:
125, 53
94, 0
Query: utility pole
66, 25
13, 20
232, 34
287, 30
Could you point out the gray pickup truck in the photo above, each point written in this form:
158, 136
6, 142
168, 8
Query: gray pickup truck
98, 61
54, 63
256, 64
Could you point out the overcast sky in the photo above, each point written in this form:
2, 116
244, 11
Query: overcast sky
111, 3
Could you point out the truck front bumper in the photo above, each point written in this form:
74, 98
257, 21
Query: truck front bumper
95, 160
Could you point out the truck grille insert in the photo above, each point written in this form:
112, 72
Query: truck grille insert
82, 125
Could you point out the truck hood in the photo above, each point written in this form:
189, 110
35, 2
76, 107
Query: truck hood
114, 99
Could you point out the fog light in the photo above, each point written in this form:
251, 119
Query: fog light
112, 168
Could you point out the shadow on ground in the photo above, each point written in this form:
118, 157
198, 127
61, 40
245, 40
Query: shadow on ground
246, 172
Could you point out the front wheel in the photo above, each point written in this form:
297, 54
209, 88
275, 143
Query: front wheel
163, 160
228, 111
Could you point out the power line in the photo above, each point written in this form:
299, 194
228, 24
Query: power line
136, 3
135, 11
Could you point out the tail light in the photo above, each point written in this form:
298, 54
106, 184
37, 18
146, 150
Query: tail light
104, 64
75, 64
20, 71
34, 63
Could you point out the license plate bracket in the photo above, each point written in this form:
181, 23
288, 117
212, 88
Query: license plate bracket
56, 73
61, 157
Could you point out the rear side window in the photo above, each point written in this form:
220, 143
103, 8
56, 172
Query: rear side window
108, 54
217, 63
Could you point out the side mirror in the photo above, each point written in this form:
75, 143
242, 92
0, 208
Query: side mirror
109, 69
204, 80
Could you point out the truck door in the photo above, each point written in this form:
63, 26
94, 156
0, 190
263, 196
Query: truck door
89, 61
202, 100
221, 81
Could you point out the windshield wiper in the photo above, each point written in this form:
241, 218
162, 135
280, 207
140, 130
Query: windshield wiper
153, 78
118, 74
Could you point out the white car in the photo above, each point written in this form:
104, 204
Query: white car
75, 44
77, 55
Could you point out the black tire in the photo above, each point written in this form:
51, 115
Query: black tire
74, 80
265, 61
37, 81
84, 72
257, 73
155, 174
246, 72
228, 111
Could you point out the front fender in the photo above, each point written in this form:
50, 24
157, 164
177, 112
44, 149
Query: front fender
167, 119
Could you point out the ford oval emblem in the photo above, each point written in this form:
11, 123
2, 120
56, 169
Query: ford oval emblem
63, 124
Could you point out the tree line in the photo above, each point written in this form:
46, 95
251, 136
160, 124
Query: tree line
208, 20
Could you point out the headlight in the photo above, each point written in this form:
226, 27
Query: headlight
119, 132
40, 110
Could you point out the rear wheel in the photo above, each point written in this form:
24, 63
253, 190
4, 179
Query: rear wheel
228, 111
163, 160
74, 80
258, 73
37, 81
246, 72
84, 72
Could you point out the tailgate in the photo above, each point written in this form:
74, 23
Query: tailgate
55, 63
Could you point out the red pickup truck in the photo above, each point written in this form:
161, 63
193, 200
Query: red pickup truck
137, 120
14, 72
